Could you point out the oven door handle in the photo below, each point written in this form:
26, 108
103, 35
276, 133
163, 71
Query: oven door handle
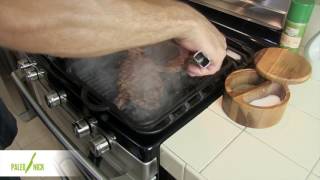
84, 161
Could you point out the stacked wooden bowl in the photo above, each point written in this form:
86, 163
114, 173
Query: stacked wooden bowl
275, 69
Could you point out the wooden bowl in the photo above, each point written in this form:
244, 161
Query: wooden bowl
244, 86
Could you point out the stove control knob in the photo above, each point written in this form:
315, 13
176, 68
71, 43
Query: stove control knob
56, 98
84, 128
33, 74
25, 63
81, 128
99, 145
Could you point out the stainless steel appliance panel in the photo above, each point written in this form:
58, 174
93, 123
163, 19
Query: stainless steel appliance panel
269, 13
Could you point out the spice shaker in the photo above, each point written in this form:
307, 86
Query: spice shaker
297, 19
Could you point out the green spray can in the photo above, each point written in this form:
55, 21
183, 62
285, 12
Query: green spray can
297, 19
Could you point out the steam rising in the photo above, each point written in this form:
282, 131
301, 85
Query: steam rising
152, 84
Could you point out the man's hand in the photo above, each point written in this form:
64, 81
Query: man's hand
77, 28
206, 38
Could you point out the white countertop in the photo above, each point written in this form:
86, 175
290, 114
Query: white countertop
213, 147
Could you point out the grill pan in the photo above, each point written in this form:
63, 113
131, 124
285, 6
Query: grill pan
98, 92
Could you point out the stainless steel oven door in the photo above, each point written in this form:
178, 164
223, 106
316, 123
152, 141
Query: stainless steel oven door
97, 152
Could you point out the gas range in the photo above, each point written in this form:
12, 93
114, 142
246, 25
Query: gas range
111, 144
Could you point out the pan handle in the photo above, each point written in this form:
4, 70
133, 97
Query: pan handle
84, 161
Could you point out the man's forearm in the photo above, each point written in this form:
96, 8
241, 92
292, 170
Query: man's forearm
77, 28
